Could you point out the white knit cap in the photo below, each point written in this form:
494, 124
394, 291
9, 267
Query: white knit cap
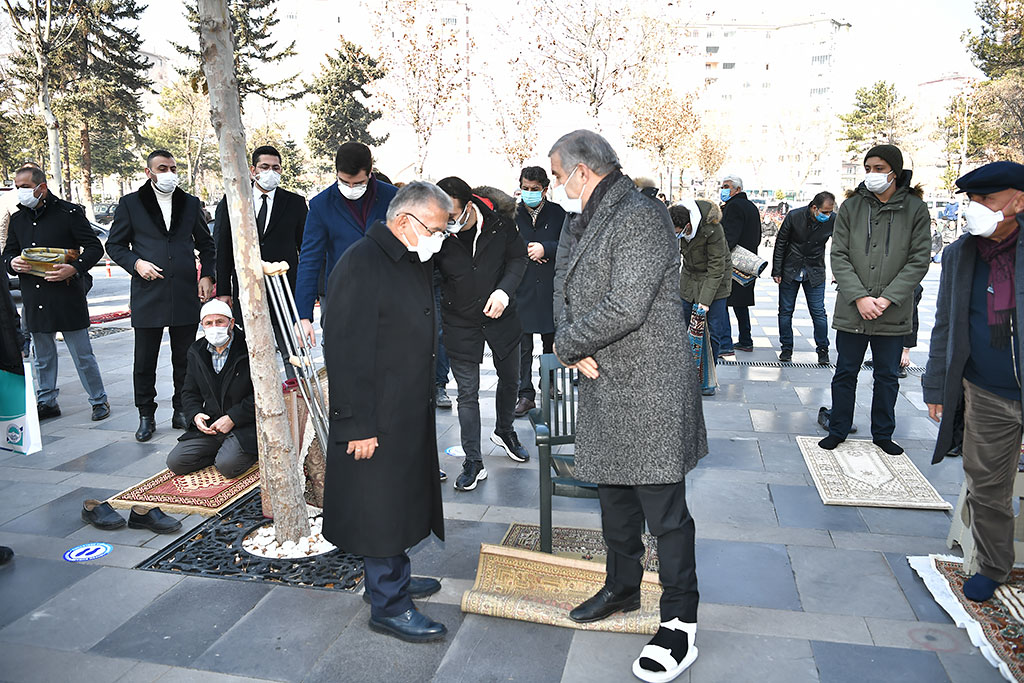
216, 306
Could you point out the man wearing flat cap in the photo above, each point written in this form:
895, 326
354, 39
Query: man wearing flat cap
881, 248
975, 361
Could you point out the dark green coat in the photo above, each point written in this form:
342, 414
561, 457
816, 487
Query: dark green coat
706, 273
880, 250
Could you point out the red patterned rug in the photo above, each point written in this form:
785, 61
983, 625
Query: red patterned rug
205, 492
996, 626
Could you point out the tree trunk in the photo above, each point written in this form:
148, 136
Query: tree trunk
90, 210
280, 472
52, 127
67, 164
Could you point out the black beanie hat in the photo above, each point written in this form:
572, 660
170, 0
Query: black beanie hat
891, 154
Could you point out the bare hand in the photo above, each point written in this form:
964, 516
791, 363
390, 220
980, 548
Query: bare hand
205, 288
494, 307
868, 308
535, 250
60, 273
19, 265
225, 299
223, 425
363, 448
905, 359
935, 411
200, 421
148, 271
587, 366
304, 328
701, 308
778, 280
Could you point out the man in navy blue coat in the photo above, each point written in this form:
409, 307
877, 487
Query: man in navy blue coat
338, 217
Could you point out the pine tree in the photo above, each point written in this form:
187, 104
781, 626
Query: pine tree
880, 116
338, 115
999, 47
252, 25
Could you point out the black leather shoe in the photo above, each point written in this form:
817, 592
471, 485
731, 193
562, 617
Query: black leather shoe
153, 519
524, 406
605, 604
46, 411
786, 356
147, 425
178, 420
101, 412
419, 587
101, 515
411, 626
6, 554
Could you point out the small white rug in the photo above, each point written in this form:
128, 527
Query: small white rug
859, 473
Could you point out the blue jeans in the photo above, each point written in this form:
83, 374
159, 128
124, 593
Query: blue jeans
885, 354
45, 363
815, 296
442, 366
716, 314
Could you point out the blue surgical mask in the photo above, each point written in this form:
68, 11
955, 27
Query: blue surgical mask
822, 218
532, 198
725, 193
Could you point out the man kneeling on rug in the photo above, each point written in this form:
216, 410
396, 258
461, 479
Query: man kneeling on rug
218, 400
640, 425
975, 360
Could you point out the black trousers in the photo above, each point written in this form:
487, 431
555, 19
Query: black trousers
467, 377
885, 356
387, 583
547, 341
147, 353
623, 512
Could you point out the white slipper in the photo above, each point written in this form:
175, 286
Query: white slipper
663, 656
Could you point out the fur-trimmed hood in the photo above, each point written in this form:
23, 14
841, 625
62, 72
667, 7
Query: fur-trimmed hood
710, 212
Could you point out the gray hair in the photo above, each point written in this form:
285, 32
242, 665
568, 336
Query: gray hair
735, 180
418, 193
588, 148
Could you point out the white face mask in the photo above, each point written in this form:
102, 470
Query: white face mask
560, 197
26, 197
217, 336
166, 182
877, 182
268, 180
457, 225
352, 193
981, 220
426, 247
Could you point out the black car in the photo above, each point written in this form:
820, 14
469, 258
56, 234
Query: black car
104, 212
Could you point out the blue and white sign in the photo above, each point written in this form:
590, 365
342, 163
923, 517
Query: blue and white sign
455, 452
87, 551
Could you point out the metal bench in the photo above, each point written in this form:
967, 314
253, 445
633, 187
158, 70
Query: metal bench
554, 424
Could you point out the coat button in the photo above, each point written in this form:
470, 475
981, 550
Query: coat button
33, 244
40, 306
426, 311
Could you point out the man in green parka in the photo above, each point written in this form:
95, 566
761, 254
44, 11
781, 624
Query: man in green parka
881, 249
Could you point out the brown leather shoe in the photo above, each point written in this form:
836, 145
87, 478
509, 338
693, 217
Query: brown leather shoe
524, 406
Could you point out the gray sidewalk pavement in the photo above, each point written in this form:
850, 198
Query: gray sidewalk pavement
791, 590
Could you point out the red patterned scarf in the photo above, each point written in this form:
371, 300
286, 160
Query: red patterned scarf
1001, 258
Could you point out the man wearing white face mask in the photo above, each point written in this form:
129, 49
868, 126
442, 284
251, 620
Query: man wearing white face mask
975, 362
218, 400
154, 236
338, 217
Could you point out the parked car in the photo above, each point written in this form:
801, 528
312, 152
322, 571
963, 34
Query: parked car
104, 212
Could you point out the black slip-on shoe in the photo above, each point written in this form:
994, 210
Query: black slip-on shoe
153, 519
178, 420
147, 426
101, 411
412, 626
786, 356
603, 605
101, 515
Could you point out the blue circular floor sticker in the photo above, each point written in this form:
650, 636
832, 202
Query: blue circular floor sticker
87, 551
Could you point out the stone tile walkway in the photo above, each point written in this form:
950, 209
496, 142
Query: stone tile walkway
791, 590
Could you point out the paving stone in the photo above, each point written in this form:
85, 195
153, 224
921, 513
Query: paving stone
842, 663
602, 657
927, 523
742, 504
314, 620
915, 635
83, 614
27, 582
458, 556
784, 623
732, 453
144, 672
31, 664
58, 517
785, 422
801, 506
847, 582
27, 496
972, 668
728, 657
180, 625
182, 675
755, 574
914, 590
110, 458
360, 655
480, 652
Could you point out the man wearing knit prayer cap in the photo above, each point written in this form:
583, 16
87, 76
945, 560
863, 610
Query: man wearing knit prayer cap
218, 400
974, 361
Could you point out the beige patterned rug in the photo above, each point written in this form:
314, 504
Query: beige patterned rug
859, 473
541, 588
575, 543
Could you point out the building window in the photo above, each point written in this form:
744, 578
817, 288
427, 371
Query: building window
712, 49
729, 65
820, 59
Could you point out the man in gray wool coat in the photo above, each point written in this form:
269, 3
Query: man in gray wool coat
640, 426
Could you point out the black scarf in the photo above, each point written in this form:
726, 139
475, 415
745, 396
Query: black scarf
579, 223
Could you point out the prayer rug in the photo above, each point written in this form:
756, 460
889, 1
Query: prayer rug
859, 473
541, 588
574, 543
996, 626
205, 492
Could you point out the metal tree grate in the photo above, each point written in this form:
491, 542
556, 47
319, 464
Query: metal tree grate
97, 332
214, 549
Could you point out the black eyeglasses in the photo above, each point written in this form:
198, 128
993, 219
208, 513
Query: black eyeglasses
432, 231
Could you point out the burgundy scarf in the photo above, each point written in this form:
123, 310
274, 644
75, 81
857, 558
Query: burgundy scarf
1001, 258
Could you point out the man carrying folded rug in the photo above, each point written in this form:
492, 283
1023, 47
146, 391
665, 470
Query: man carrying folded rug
975, 361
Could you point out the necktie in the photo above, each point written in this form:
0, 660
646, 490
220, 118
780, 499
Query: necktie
261, 217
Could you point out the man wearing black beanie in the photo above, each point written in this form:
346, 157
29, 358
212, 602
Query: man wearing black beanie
881, 249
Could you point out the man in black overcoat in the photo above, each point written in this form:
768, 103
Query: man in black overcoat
154, 236
382, 494
741, 222
55, 301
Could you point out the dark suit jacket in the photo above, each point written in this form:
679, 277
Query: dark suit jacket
139, 232
533, 299
281, 240
741, 222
